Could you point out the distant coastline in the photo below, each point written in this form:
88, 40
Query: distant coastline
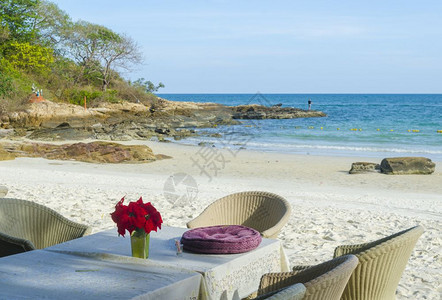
370, 125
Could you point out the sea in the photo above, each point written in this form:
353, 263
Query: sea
362, 125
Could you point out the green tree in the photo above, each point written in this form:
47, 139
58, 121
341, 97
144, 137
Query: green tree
100, 51
17, 17
29, 57
147, 86
50, 24
4, 33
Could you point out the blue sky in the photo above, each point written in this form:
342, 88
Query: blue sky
224, 46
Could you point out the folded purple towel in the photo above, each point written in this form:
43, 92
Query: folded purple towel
221, 239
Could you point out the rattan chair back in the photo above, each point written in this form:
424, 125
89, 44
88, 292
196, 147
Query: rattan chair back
381, 264
263, 211
25, 226
325, 281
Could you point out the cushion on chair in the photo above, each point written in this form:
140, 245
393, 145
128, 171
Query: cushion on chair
221, 239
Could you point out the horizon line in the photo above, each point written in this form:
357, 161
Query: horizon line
253, 93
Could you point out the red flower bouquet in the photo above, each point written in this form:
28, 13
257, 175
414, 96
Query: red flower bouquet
136, 216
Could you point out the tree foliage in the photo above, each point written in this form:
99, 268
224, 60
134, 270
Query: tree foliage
147, 86
29, 57
4, 33
40, 44
99, 51
16, 16
50, 24
5, 85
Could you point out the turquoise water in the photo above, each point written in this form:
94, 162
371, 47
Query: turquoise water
373, 125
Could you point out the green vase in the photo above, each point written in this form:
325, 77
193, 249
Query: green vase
139, 242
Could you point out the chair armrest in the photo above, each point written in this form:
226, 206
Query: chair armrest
12, 245
272, 282
297, 269
272, 233
60, 231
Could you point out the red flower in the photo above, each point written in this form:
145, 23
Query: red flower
136, 215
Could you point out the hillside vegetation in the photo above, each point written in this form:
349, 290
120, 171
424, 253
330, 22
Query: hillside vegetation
42, 50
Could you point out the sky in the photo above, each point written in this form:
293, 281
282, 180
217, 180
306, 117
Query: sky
234, 46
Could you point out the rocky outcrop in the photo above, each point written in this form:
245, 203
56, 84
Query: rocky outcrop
95, 152
5, 155
51, 121
259, 112
364, 167
123, 121
407, 165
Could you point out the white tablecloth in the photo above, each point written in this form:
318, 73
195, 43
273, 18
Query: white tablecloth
50, 275
232, 276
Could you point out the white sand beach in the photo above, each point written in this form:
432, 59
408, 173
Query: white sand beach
330, 207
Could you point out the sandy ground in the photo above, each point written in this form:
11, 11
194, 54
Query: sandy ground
330, 206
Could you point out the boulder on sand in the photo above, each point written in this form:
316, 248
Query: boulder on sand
407, 165
94, 152
5, 155
363, 167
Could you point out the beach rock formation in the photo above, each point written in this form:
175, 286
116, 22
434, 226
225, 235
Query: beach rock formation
49, 121
259, 112
94, 152
364, 167
407, 165
5, 155
6, 133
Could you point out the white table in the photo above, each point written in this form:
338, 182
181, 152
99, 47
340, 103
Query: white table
231, 276
44, 274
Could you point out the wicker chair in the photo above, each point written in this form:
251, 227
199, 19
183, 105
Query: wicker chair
293, 292
381, 264
265, 212
325, 281
26, 226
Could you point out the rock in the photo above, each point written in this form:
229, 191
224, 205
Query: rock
3, 191
5, 133
364, 167
97, 126
259, 112
407, 165
162, 156
206, 144
61, 133
162, 139
95, 152
124, 121
144, 134
121, 137
165, 131
5, 155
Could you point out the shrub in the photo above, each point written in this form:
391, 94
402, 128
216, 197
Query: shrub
5, 85
15, 88
111, 96
29, 57
133, 93
76, 96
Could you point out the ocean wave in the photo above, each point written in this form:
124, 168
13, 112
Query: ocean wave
341, 148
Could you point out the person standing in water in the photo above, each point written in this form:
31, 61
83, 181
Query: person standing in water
309, 104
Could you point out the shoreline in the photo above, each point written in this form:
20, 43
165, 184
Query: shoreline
329, 206
317, 149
